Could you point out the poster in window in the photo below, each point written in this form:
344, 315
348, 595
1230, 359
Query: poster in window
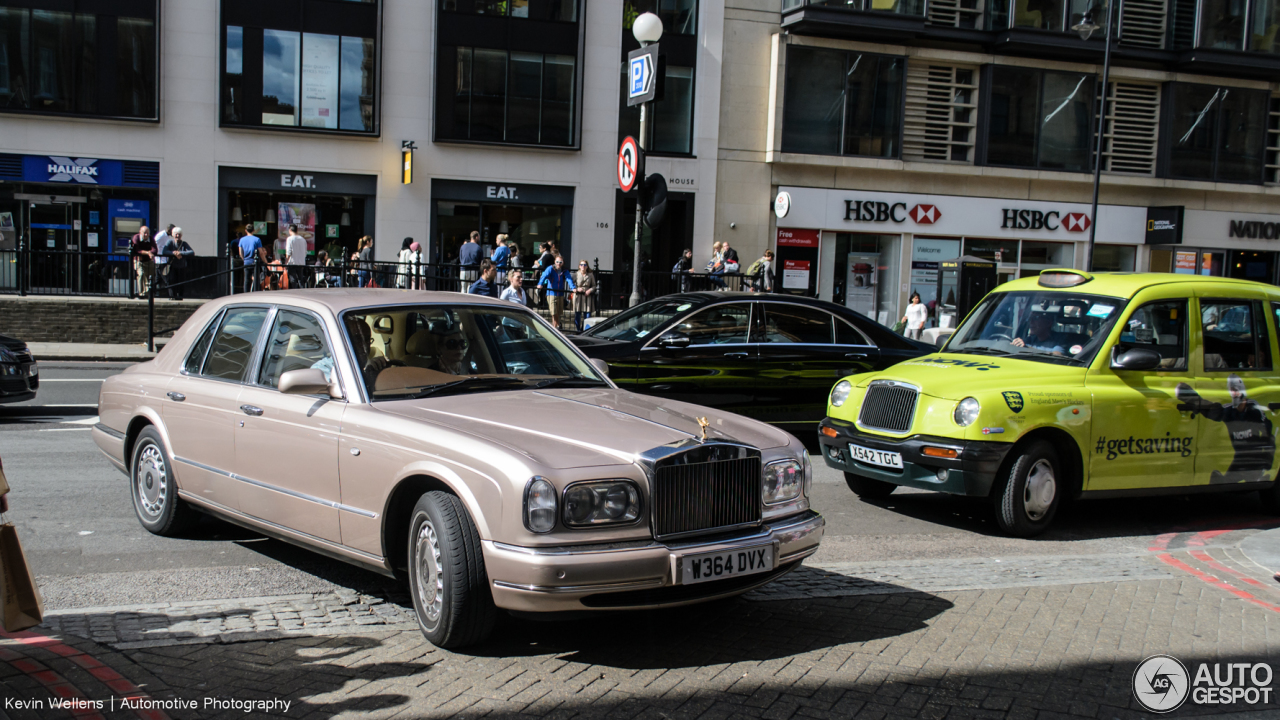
320, 81
8, 233
301, 214
1185, 263
795, 274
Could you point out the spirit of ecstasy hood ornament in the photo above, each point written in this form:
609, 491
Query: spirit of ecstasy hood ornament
703, 424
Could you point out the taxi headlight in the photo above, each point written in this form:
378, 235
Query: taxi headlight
966, 412
840, 393
782, 481
539, 505
598, 503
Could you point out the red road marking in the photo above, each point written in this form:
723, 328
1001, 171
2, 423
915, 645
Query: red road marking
1205, 577
1204, 557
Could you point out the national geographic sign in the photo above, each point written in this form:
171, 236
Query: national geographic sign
1164, 225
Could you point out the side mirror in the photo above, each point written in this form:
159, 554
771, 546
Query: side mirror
307, 381
674, 340
1135, 359
601, 366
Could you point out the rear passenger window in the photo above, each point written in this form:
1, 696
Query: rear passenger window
847, 334
233, 345
796, 324
1160, 326
296, 343
196, 356
1235, 335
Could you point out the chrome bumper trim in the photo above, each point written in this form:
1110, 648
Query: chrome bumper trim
564, 589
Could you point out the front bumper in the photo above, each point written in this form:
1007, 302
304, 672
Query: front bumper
636, 575
971, 472
18, 381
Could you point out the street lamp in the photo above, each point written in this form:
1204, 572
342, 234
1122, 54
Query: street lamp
1086, 27
647, 29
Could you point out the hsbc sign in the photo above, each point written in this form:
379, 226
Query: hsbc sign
873, 211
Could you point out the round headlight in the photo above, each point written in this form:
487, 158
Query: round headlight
840, 393
540, 506
783, 481
600, 502
966, 412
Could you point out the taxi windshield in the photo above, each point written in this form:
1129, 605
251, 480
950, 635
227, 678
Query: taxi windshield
640, 321
1058, 327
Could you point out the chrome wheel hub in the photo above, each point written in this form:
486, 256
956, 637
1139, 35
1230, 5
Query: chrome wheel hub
430, 578
151, 478
1040, 490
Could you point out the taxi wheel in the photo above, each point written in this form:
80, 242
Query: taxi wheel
1028, 496
154, 491
447, 579
868, 488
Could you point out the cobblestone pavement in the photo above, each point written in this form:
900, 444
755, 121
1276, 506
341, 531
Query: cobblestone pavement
985, 638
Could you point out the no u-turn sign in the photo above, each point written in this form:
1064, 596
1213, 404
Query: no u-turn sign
628, 164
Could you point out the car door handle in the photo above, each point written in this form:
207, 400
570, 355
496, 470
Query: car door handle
176, 396
736, 354
251, 410
856, 356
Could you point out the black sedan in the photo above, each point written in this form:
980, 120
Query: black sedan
18, 376
769, 357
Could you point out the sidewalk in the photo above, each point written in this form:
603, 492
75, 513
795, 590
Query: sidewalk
97, 352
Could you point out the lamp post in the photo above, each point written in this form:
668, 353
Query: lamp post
1086, 27
647, 29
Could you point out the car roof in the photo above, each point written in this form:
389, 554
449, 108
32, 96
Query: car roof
1126, 285
337, 300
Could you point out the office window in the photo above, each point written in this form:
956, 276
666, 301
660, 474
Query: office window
1222, 24
1039, 119
1217, 133
85, 58
1266, 21
553, 10
324, 78
671, 126
842, 103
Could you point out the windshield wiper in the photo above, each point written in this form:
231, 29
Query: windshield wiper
469, 383
979, 351
571, 381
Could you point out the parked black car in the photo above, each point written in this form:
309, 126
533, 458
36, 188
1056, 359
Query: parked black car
19, 377
769, 357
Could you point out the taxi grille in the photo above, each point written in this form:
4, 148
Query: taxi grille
705, 489
888, 407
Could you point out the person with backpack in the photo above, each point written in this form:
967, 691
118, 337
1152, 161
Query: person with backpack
760, 273
682, 268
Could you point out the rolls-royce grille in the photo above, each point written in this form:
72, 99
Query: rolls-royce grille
691, 497
888, 407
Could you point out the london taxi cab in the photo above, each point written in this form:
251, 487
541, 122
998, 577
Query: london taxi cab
1073, 384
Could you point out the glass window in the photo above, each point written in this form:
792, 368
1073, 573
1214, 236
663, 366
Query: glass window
233, 79
1159, 326
1053, 327
524, 94
719, 325
1113, 258
796, 324
1235, 336
297, 342
842, 103
135, 66
1222, 24
86, 49
516, 97
679, 17
281, 51
196, 357
357, 84
1001, 251
320, 60
1039, 119
557, 10
233, 345
1042, 15
1266, 20
1217, 133
488, 94
847, 334
671, 129
642, 320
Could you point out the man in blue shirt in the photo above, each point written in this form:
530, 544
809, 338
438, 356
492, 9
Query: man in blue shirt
486, 285
558, 283
501, 256
469, 257
252, 257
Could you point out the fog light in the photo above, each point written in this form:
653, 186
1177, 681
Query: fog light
834, 453
942, 475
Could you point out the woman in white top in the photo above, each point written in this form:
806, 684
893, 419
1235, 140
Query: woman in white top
916, 315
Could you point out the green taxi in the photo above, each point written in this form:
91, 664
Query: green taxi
1070, 385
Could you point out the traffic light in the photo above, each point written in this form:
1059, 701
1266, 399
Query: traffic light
653, 199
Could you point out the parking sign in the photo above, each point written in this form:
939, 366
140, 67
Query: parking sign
642, 66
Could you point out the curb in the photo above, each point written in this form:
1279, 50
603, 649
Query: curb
1264, 549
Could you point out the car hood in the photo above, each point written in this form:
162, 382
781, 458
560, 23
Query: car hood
954, 376
12, 343
594, 347
568, 428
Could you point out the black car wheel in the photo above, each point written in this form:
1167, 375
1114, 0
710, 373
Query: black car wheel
447, 578
1027, 497
155, 494
868, 488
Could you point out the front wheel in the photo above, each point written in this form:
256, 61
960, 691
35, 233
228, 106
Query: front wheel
868, 488
155, 494
447, 578
1027, 497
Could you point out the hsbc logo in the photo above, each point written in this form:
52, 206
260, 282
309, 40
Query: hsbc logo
873, 211
1076, 222
925, 214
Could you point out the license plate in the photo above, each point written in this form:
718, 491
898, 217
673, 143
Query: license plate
725, 564
876, 457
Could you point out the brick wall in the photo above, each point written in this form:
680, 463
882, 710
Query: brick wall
86, 321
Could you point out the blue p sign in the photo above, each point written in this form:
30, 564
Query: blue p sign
637, 75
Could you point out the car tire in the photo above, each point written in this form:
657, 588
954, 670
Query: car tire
447, 579
154, 488
868, 488
1028, 496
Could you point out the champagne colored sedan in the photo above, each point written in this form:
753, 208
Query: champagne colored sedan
461, 443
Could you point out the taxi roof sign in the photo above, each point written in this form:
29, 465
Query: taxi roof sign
1063, 278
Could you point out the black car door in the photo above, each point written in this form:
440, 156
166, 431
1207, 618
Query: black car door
804, 351
705, 358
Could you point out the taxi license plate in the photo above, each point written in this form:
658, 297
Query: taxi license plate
725, 564
876, 457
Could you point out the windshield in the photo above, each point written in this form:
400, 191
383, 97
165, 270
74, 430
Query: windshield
640, 321
407, 351
1056, 327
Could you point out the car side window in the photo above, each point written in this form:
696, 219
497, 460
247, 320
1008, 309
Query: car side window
233, 344
796, 324
717, 325
1235, 335
297, 342
847, 334
196, 357
1160, 326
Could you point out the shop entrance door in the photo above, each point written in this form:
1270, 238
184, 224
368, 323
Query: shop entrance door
53, 242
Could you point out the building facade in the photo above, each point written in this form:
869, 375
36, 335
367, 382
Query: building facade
221, 116
881, 137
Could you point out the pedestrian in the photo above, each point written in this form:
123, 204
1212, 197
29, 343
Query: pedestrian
364, 273
760, 273
162, 260
487, 284
469, 257
915, 317
584, 295
405, 261
296, 256
501, 256
682, 268
558, 282
324, 276
515, 288
180, 253
253, 258
515, 261
715, 267
729, 256
143, 250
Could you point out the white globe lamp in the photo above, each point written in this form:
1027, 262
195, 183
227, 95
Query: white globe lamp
647, 28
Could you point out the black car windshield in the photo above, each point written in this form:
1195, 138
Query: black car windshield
642, 320
416, 351
1046, 326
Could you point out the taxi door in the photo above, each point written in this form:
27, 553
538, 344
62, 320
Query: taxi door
1139, 437
1236, 394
